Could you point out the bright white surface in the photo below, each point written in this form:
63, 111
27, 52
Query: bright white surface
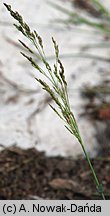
45, 129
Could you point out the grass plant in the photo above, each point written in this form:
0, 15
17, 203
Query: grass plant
73, 17
56, 84
99, 24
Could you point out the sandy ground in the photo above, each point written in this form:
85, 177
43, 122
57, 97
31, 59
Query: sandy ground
21, 97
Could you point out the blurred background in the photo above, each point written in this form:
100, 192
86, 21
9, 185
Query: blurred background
82, 30
25, 117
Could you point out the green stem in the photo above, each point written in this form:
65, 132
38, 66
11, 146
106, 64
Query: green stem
99, 186
81, 55
78, 19
102, 9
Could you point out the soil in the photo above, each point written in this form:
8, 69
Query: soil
25, 174
88, 6
29, 174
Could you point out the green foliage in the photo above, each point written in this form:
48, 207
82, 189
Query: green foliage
75, 18
57, 87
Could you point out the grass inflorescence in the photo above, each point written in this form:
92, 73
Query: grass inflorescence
56, 84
